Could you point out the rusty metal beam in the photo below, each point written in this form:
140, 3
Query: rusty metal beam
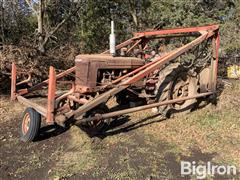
139, 108
44, 83
134, 45
168, 36
216, 59
178, 30
28, 103
51, 95
135, 71
13, 81
160, 61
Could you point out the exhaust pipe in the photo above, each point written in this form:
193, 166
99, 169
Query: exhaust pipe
112, 40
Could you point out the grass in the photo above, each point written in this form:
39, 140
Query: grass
150, 148
212, 129
154, 148
209, 120
79, 156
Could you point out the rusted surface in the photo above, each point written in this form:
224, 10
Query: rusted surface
45, 83
13, 82
217, 46
88, 66
157, 64
29, 103
140, 108
137, 70
178, 30
51, 96
26, 123
80, 101
119, 72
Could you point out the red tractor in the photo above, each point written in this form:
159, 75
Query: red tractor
166, 70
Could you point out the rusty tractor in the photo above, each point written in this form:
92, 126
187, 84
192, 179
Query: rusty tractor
167, 70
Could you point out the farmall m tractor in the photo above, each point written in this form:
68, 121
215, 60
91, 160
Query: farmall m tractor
165, 70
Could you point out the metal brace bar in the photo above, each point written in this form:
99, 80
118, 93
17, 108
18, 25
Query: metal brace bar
139, 108
28, 103
51, 95
13, 81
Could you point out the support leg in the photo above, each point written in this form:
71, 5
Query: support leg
13, 82
51, 95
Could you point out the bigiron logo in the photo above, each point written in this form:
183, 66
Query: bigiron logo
201, 171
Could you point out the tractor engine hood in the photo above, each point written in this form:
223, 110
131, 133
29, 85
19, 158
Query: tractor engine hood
88, 66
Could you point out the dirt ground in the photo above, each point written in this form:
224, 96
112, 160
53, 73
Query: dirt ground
147, 147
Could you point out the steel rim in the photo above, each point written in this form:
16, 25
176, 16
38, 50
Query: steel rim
97, 124
26, 123
178, 89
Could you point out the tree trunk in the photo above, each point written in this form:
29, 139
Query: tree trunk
133, 12
43, 34
41, 45
135, 18
2, 21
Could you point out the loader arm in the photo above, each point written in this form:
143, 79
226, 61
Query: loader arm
157, 63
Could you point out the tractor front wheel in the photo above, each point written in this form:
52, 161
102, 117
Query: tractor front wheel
31, 122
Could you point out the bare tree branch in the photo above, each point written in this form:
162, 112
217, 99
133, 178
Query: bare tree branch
43, 37
132, 10
31, 6
59, 25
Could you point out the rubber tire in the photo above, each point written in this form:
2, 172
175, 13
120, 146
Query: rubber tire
166, 76
35, 123
103, 124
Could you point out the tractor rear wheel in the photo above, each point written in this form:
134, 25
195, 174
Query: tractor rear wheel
175, 82
98, 125
31, 122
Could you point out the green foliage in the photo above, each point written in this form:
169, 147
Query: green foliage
89, 28
178, 13
16, 22
230, 31
92, 29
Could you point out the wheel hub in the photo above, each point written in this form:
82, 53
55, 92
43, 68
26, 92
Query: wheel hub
26, 123
97, 123
180, 88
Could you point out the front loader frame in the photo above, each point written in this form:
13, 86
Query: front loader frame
118, 85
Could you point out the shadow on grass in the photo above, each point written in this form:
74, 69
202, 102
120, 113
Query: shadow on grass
122, 124
49, 131
118, 125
